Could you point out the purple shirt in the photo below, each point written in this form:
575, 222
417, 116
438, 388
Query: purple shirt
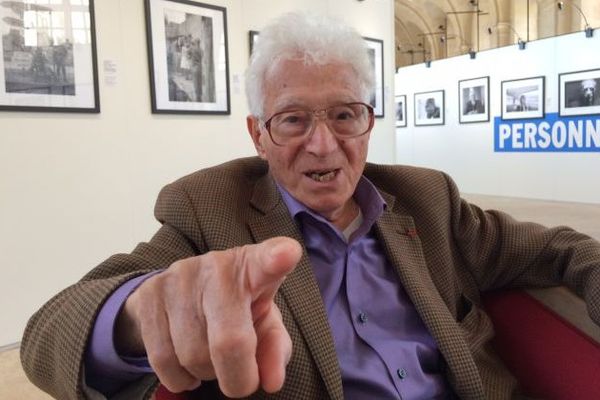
383, 347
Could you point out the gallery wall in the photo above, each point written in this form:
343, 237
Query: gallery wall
76, 188
467, 151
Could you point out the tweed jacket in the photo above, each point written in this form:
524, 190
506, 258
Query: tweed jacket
444, 251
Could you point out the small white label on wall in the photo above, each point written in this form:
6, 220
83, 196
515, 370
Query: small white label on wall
110, 72
236, 84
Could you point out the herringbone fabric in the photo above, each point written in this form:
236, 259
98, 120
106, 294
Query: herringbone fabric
444, 250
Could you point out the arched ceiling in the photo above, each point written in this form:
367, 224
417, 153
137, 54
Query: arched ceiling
432, 29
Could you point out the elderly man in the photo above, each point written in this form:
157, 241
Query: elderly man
305, 273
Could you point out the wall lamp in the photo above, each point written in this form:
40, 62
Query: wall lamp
472, 52
522, 44
589, 31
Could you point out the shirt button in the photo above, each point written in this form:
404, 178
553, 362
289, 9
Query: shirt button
401, 373
362, 317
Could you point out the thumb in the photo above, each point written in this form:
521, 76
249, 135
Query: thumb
268, 263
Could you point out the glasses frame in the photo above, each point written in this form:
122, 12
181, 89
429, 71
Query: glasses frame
318, 114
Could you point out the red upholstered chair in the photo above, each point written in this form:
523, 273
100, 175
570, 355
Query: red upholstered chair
551, 357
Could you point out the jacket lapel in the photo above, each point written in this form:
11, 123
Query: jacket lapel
299, 289
402, 246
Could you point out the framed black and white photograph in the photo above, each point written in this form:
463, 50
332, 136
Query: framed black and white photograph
400, 111
48, 60
429, 108
523, 98
474, 100
187, 50
579, 93
375, 49
252, 38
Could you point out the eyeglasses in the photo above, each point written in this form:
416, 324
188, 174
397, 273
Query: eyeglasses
344, 120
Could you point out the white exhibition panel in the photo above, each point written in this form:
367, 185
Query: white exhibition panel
75, 189
466, 151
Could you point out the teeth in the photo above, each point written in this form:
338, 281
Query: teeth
322, 176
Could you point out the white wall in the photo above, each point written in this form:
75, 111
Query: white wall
466, 151
75, 189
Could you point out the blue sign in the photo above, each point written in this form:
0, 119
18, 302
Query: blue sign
551, 134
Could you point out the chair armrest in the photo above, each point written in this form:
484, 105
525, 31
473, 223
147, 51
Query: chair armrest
549, 356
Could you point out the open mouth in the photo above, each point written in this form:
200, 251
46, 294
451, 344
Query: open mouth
323, 175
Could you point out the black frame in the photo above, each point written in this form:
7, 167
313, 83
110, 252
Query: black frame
404, 123
379, 93
151, 62
505, 115
589, 110
485, 117
252, 36
442, 117
95, 109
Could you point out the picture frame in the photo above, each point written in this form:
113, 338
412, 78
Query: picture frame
48, 59
187, 57
400, 114
474, 100
252, 38
429, 108
579, 93
375, 51
523, 98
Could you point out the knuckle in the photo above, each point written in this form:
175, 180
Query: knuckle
193, 360
233, 344
162, 358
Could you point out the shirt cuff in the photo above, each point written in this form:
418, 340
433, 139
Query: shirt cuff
106, 370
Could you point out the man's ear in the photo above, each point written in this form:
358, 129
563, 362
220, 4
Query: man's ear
256, 135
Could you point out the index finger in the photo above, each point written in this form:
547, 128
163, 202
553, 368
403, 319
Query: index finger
239, 278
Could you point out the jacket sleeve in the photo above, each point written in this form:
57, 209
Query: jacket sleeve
55, 339
501, 252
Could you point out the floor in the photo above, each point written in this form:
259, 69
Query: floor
583, 217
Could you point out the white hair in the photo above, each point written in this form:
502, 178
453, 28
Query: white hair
317, 40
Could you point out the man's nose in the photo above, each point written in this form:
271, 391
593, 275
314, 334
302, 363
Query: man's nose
322, 140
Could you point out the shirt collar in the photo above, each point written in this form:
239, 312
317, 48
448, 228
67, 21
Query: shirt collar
366, 196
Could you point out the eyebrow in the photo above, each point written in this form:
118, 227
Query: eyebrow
293, 103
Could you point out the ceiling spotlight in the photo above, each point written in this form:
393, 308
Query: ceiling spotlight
428, 63
472, 54
589, 31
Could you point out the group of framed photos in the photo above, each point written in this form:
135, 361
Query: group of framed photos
579, 94
49, 60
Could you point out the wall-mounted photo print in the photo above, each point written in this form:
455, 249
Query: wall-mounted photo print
187, 50
400, 111
48, 57
375, 51
429, 108
523, 98
579, 93
474, 100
